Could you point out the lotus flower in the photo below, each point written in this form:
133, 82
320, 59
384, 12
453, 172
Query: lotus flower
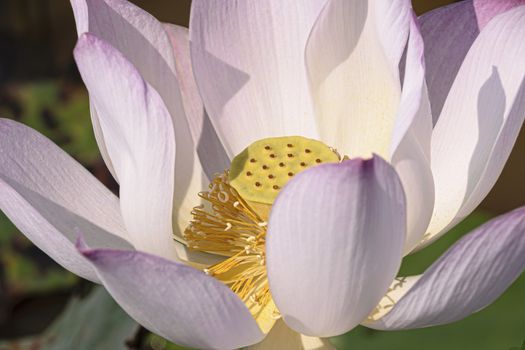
275, 165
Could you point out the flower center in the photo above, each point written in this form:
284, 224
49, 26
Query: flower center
232, 222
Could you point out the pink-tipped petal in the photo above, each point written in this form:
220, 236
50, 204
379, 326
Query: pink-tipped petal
335, 241
480, 121
175, 301
448, 33
135, 33
208, 146
143, 41
248, 59
467, 278
49, 196
140, 141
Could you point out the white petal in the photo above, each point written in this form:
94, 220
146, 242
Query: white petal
49, 196
480, 121
335, 240
132, 31
211, 152
467, 278
248, 59
99, 136
136, 34
449, 33
283, 337
352, 58
145, 44
139, 139
175, 301
410, 146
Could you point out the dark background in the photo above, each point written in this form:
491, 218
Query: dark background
40, 86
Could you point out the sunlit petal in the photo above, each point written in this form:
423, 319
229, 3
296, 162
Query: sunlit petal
480, 121
248, 59
467, 278
335, 241
352, 58
50, 197
175, 301
140, 142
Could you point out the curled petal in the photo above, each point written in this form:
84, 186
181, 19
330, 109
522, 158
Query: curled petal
140, 142
467, 278
448, 33
137, 35
49, 196
410, 147
208, 146
335, 241
480, 121
209, 149
147, 46
175, 301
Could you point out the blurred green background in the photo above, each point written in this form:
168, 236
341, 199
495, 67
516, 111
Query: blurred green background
43, 306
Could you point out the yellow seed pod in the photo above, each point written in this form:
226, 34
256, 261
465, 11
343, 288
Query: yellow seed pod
263, 168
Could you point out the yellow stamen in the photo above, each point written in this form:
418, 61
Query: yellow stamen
230, 227
233, 221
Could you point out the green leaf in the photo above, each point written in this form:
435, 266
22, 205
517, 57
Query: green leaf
58, 110
155, 342
25, 269
96, 322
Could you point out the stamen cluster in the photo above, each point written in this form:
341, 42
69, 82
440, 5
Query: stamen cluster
225, 224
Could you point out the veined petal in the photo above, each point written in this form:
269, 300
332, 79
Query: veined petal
140, 141
208, 146
143, 41
175, 301
99, 136
480, 121
410, 147
335, 241
136, 34
352, 58
49, 196
467, 278
448, 33
132, 31
211, 153
283, 337
487, 9
248, 59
